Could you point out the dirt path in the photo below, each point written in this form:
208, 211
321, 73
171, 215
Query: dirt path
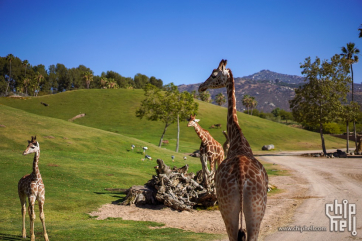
328, 179
313, 183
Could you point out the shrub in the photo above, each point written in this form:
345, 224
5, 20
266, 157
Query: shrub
331, 128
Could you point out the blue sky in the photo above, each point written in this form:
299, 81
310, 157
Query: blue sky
179, 41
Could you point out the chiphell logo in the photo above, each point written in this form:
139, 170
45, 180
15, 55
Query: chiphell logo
342, 216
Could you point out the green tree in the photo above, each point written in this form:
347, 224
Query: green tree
9, 58
205, 96
38, 79
285, 115
276, 112
88, 77
349, 114
165, 106
253, 104
319, 101
246, 101
104, 82
25, 63
220, 99
350, 52
194, 94
156, 82
140, 81
184, 107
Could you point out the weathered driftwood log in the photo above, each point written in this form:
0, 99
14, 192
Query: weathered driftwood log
175, 188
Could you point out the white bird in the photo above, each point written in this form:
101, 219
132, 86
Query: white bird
148, 157
133, 146
185, 158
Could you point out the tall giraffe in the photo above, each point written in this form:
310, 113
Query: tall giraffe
241, 181
209, 146
226, 144
31, 186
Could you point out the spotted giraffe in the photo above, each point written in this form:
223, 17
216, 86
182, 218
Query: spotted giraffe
209, 146
31, 186
241, 180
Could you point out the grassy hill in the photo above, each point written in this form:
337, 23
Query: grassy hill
77, 163
114, 111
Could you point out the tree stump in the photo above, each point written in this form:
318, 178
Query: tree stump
175, 188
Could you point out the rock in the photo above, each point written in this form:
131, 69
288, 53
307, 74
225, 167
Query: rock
268, 147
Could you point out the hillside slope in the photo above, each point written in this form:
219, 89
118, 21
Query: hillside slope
114, 110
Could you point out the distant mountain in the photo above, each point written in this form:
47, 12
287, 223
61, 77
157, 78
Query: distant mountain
269, 88
276, 77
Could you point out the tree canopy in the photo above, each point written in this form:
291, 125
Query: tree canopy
167, 106
319, 101
21, 77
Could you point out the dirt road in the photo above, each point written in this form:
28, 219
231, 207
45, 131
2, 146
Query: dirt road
326, 180
312, 183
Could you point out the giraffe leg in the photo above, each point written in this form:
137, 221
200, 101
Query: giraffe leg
229, 198
254, 209
32, 217
23, 212
42, 217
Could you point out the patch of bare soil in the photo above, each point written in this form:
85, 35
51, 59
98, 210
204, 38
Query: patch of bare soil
280, 210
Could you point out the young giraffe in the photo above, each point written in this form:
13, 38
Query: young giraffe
209, 146
226, 144
241, 180
31, 186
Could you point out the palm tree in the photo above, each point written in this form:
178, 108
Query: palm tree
9, 58
220, 99
88, 77
360, 31
246, 101
350, 53
25, 64
104, 82
26, 83
38, 77
253, 104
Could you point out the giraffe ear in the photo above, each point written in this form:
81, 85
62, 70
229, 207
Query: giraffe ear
225, 62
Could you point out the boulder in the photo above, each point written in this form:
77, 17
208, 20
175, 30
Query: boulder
268, 147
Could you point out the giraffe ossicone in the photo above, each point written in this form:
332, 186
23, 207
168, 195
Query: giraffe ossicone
31, 187
241, 181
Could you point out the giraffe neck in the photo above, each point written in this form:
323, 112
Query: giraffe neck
234, 133
36, 171
201, 133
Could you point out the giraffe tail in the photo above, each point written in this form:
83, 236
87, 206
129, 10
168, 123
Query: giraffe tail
241, 235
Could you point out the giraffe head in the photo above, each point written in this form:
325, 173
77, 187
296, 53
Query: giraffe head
192, 121
217, 79
33, 146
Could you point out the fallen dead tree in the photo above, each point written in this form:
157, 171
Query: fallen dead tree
175, 188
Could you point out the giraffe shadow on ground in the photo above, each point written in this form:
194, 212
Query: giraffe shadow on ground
4, 236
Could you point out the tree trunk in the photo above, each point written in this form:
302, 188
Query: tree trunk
178, 133
322, 138
347, 127
7, 87
354, 122
164, 131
